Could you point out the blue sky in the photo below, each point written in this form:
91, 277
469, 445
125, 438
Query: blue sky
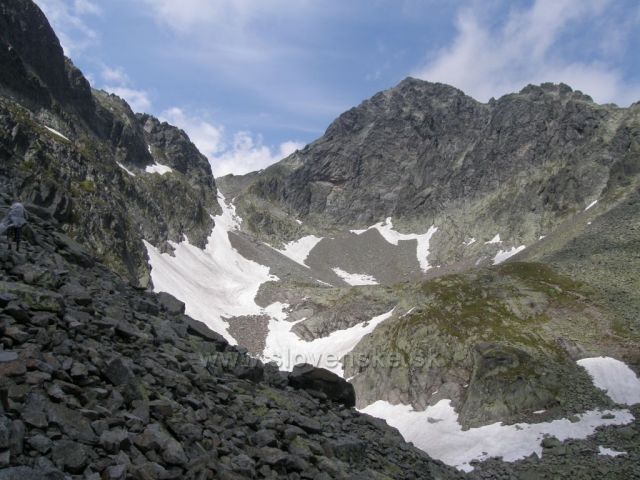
251, 80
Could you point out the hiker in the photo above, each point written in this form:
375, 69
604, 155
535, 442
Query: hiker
13, 223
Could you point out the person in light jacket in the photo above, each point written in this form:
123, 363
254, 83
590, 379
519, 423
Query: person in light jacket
13, 223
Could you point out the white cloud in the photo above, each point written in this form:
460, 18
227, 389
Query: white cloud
118, 82
287, 148
68, 22
527, 47
115, 75
86, 7
206, 136
138, 100
185, 15
267, 49
242, 153
247, 153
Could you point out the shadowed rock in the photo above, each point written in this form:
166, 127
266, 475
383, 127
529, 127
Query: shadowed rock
337, 389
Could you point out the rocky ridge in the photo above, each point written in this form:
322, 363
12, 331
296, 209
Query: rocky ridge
83, 154
427, 154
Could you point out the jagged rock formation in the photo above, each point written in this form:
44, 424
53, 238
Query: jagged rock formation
67, 148
101, 380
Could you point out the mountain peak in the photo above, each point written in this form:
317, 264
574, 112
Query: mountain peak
558, 90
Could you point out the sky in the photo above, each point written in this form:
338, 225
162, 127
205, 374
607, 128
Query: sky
251, 81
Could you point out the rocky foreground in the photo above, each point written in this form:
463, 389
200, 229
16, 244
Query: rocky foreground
102, 380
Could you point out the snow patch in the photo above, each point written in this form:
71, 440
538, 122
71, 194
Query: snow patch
215, 283
436, 431
126, 169
355, 278
609, 452
393, 237
614, 377
287, 349
158, 168
495, 239
149, 149
299, 250
502, 255
471, 241
591, 205
56, 132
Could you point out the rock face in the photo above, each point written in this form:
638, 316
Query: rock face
426, 154
106, 381
89, 171
327, 383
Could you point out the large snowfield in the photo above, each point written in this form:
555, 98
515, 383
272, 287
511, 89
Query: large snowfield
215, 283
615, 377
436, 430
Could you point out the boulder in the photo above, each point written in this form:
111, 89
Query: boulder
307, 377
119, 371
198, 328
70, 456
171, 304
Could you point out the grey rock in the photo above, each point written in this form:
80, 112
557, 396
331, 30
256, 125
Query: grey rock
70, 456
114, 440
16, 437
347, 449
118, 371
72, 423
150, 471
265, 438
34, 411
115, 472
5, 431
198, 328
308, 377
173, 453
308, 424
171, 304
272, 456
40, 443
243, 465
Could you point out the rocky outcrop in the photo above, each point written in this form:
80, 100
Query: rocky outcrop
325, 383
34, 66
101, 380
499, 343
82, 154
